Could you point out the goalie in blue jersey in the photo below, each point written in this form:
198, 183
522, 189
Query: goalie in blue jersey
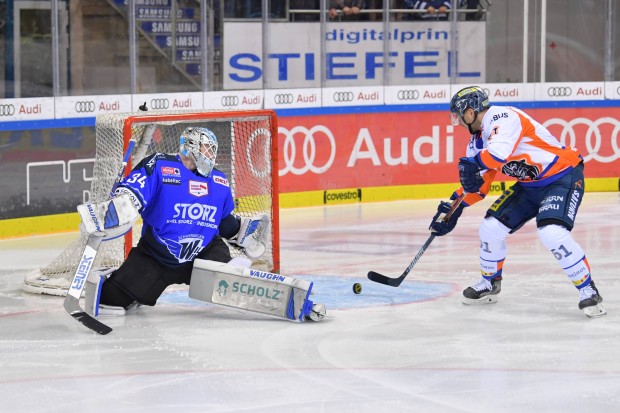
187, 209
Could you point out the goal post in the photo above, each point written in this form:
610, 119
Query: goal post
247, 154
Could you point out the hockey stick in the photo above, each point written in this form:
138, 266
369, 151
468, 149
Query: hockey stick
72, 300
395, 282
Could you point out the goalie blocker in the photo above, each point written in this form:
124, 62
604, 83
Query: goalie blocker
253, 290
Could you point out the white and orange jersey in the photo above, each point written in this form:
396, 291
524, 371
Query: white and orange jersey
515, 144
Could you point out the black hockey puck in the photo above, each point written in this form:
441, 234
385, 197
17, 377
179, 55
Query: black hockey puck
357, 288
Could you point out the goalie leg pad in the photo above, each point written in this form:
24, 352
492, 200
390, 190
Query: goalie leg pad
92, 296
251, 290
92, 293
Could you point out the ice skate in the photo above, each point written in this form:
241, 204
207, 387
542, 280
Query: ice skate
591, 301
485, 292
317, 313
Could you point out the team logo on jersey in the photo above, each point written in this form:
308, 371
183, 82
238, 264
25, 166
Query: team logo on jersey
220, 180
520, 170
168, 170
198, 188
187, 248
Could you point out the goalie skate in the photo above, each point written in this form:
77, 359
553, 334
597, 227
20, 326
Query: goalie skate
317, 313
485, 292
591, 301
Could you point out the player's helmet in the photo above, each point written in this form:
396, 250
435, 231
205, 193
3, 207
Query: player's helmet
200, 145
469, 97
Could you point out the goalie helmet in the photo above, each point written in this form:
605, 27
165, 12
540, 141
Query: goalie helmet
470, 97
200, 145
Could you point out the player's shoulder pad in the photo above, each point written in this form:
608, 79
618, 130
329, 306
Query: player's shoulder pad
219, 177
149, 163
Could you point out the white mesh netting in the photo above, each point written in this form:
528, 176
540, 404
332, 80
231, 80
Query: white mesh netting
246, 145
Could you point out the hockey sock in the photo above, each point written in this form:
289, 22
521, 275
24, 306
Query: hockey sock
492, 247
569, 254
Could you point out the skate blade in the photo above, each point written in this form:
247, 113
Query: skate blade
594, 311
487, 299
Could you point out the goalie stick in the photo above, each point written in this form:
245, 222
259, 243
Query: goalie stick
395, 282
72, 300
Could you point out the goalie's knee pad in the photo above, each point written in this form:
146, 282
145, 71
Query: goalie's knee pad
92, 295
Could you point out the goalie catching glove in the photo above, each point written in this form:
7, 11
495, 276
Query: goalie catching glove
252, 235
109, 219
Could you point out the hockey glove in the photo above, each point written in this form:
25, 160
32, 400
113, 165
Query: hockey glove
441, 227
252, 235
469, 174
109, 219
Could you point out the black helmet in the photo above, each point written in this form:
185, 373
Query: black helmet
470, 97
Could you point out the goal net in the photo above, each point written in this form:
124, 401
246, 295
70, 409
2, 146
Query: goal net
247, 154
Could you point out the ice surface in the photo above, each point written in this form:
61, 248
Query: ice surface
414, 348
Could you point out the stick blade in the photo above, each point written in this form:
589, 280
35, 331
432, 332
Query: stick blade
73, 308
382, 279
92, 323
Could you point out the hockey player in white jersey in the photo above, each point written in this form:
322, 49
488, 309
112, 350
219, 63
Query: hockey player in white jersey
187, 209
550, 186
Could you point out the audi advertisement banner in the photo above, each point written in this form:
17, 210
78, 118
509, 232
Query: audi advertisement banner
378, 150
49, 171
84, 107
419, 52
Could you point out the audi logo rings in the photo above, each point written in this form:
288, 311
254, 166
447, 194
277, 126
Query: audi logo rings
343, 96
230, 100
558, 91
318, 136
160, 104
408, 95
283, 98
593, 136
7, 110
85, 106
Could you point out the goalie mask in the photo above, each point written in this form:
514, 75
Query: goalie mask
200, 145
